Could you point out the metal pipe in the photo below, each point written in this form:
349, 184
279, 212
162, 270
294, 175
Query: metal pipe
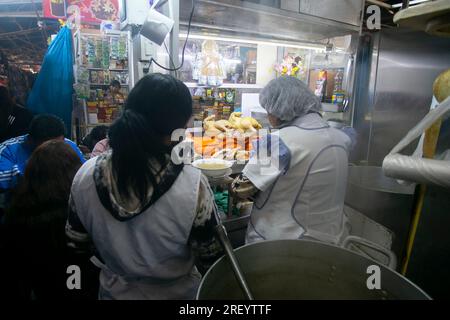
425, 170
222, 234
174, 9
411, 2
429, 150
419, 170
380, 3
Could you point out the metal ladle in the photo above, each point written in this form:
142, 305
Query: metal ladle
223, 238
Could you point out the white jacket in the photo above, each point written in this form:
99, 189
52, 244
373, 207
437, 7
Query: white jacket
307, 200
148, 256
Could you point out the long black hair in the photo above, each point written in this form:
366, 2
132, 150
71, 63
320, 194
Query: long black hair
97, 134
157, 105
39, 205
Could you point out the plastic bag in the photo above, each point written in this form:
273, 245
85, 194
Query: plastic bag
417, 169
53, 89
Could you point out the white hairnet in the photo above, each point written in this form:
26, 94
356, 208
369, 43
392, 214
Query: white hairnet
288, 98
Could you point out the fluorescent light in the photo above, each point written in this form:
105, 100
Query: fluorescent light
319, 48
413, 2
191, 57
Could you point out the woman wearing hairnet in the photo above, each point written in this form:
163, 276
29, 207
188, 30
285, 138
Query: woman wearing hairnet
300, 193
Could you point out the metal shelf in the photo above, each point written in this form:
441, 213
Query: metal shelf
225, 86
235, 17
124, 85
103, 69
98, 84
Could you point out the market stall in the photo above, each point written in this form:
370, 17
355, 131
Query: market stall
231, 50
101, 58
226, 52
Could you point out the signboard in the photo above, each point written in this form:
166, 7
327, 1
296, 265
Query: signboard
91, 11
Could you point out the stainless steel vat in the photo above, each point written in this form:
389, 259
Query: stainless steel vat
298, 269
383, 200
237, 229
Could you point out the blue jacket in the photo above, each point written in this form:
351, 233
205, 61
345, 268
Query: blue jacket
14, 155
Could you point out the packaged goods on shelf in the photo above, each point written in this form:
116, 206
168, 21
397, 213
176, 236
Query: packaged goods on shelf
103, 58
219, 102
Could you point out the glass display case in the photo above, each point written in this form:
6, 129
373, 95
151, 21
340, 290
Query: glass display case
215, 66
223, 62
314, 41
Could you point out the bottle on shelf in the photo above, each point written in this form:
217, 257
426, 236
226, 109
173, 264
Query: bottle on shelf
338, 93
321, 85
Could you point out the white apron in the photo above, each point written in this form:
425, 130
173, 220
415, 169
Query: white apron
306, 201
147, 257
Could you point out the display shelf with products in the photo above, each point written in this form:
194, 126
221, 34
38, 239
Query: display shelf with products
326, 83
101, 58
213, 101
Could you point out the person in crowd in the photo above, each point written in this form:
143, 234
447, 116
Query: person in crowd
150, 218
97, 134
115, 95
14, 153
14, 119
301, 193
100, 148
34, 238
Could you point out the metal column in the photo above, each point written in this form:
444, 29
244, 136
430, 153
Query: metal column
172, 10
174, 35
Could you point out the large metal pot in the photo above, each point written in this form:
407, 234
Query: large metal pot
299, 269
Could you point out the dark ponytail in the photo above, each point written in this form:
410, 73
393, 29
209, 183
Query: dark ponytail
158, 105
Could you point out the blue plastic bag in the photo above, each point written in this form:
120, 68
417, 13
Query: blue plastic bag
53, 89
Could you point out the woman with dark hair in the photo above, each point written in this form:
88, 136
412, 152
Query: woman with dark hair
34, 225
97, 134
14, 119
147, 216
115, 96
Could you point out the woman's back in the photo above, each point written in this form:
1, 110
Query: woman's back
149, 248
308, 199
137, 206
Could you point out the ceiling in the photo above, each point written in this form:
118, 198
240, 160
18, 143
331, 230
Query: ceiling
23, 34
264, 19
231, 17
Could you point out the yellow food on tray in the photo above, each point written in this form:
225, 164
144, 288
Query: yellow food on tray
224, 125
232, 154
227, 139
244, 123
235, 123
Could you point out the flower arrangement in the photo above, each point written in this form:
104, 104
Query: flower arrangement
290, 66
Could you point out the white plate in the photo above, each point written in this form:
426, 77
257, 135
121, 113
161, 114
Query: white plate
213, 173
